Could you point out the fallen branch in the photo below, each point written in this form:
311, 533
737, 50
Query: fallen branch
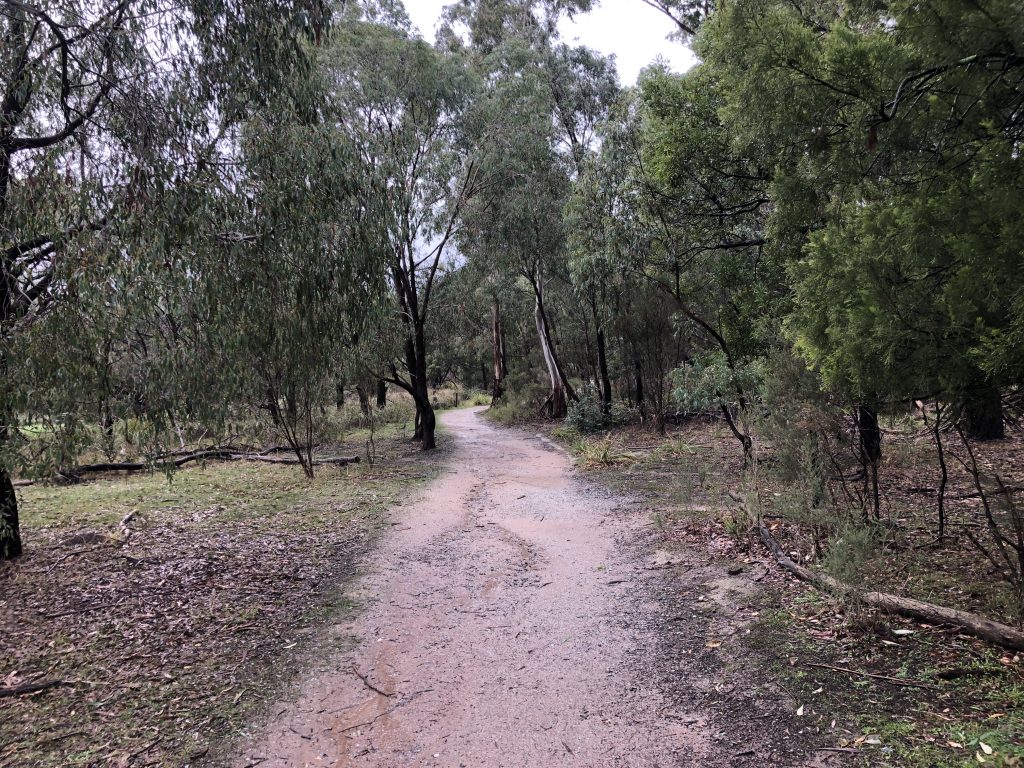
21, 690
370, 685
979, 626
886, 678
207, 455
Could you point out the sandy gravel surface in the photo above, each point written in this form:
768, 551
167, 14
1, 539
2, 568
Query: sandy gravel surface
495, 632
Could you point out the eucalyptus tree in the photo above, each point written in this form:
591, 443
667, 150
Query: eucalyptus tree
301, 277
405, 105
538, 123
593, 255
706, 205
666, 204
107, 108
518, 222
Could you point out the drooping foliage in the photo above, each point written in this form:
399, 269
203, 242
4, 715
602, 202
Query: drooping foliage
238, 208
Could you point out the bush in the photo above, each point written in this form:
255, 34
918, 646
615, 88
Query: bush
847, 553
520, 404
478, 397
585, 416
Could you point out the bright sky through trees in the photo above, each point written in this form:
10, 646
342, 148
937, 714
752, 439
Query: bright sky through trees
633, 31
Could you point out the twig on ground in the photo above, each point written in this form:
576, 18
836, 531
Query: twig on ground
368, 684
886, 678
21, 690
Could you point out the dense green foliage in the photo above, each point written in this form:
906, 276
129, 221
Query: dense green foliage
250, 211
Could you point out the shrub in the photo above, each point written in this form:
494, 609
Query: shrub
585, 416
478, 397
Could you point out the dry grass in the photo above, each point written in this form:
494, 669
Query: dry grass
973, 694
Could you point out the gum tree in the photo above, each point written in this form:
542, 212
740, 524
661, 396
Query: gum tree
405, 104
108, 111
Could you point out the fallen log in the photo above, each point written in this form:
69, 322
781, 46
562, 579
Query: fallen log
212, 454
141, 466
979, 626
340, 461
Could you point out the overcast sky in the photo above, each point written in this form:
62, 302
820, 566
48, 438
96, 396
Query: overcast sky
633, 31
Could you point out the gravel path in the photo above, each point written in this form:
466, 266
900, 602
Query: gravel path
495, 632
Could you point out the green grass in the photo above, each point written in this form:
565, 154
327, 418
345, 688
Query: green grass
241, 491
229, 573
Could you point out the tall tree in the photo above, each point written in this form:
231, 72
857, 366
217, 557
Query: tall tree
895, 143
105, 109
408, 119
538, 125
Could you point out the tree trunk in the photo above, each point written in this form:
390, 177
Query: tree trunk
291, 405
10, 530
870, 441
273, 407
983, 414
557, 405
428, 421
504, 357
602, 364
364, 400
107, 427
940, 497
561, 390
498, 344
638, 372
428, 426
382, 393
869, 434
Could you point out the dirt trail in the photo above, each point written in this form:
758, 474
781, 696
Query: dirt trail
505, 624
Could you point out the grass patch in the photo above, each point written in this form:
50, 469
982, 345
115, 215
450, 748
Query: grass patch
170, 633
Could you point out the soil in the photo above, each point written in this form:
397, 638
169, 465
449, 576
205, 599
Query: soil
159, 617
518, 616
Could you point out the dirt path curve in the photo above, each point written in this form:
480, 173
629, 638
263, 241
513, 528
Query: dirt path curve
495, 632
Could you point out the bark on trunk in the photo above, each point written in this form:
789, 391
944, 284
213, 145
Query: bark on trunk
869, 433
602, 364
10, 530
638, 373
498, 344
291, 405
421, 394
364, 400
983, 415
428, 426
272, 406
561, 390
107, 427
870, 440
557, 405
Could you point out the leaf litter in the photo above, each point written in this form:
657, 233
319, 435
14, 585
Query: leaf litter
162, 638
